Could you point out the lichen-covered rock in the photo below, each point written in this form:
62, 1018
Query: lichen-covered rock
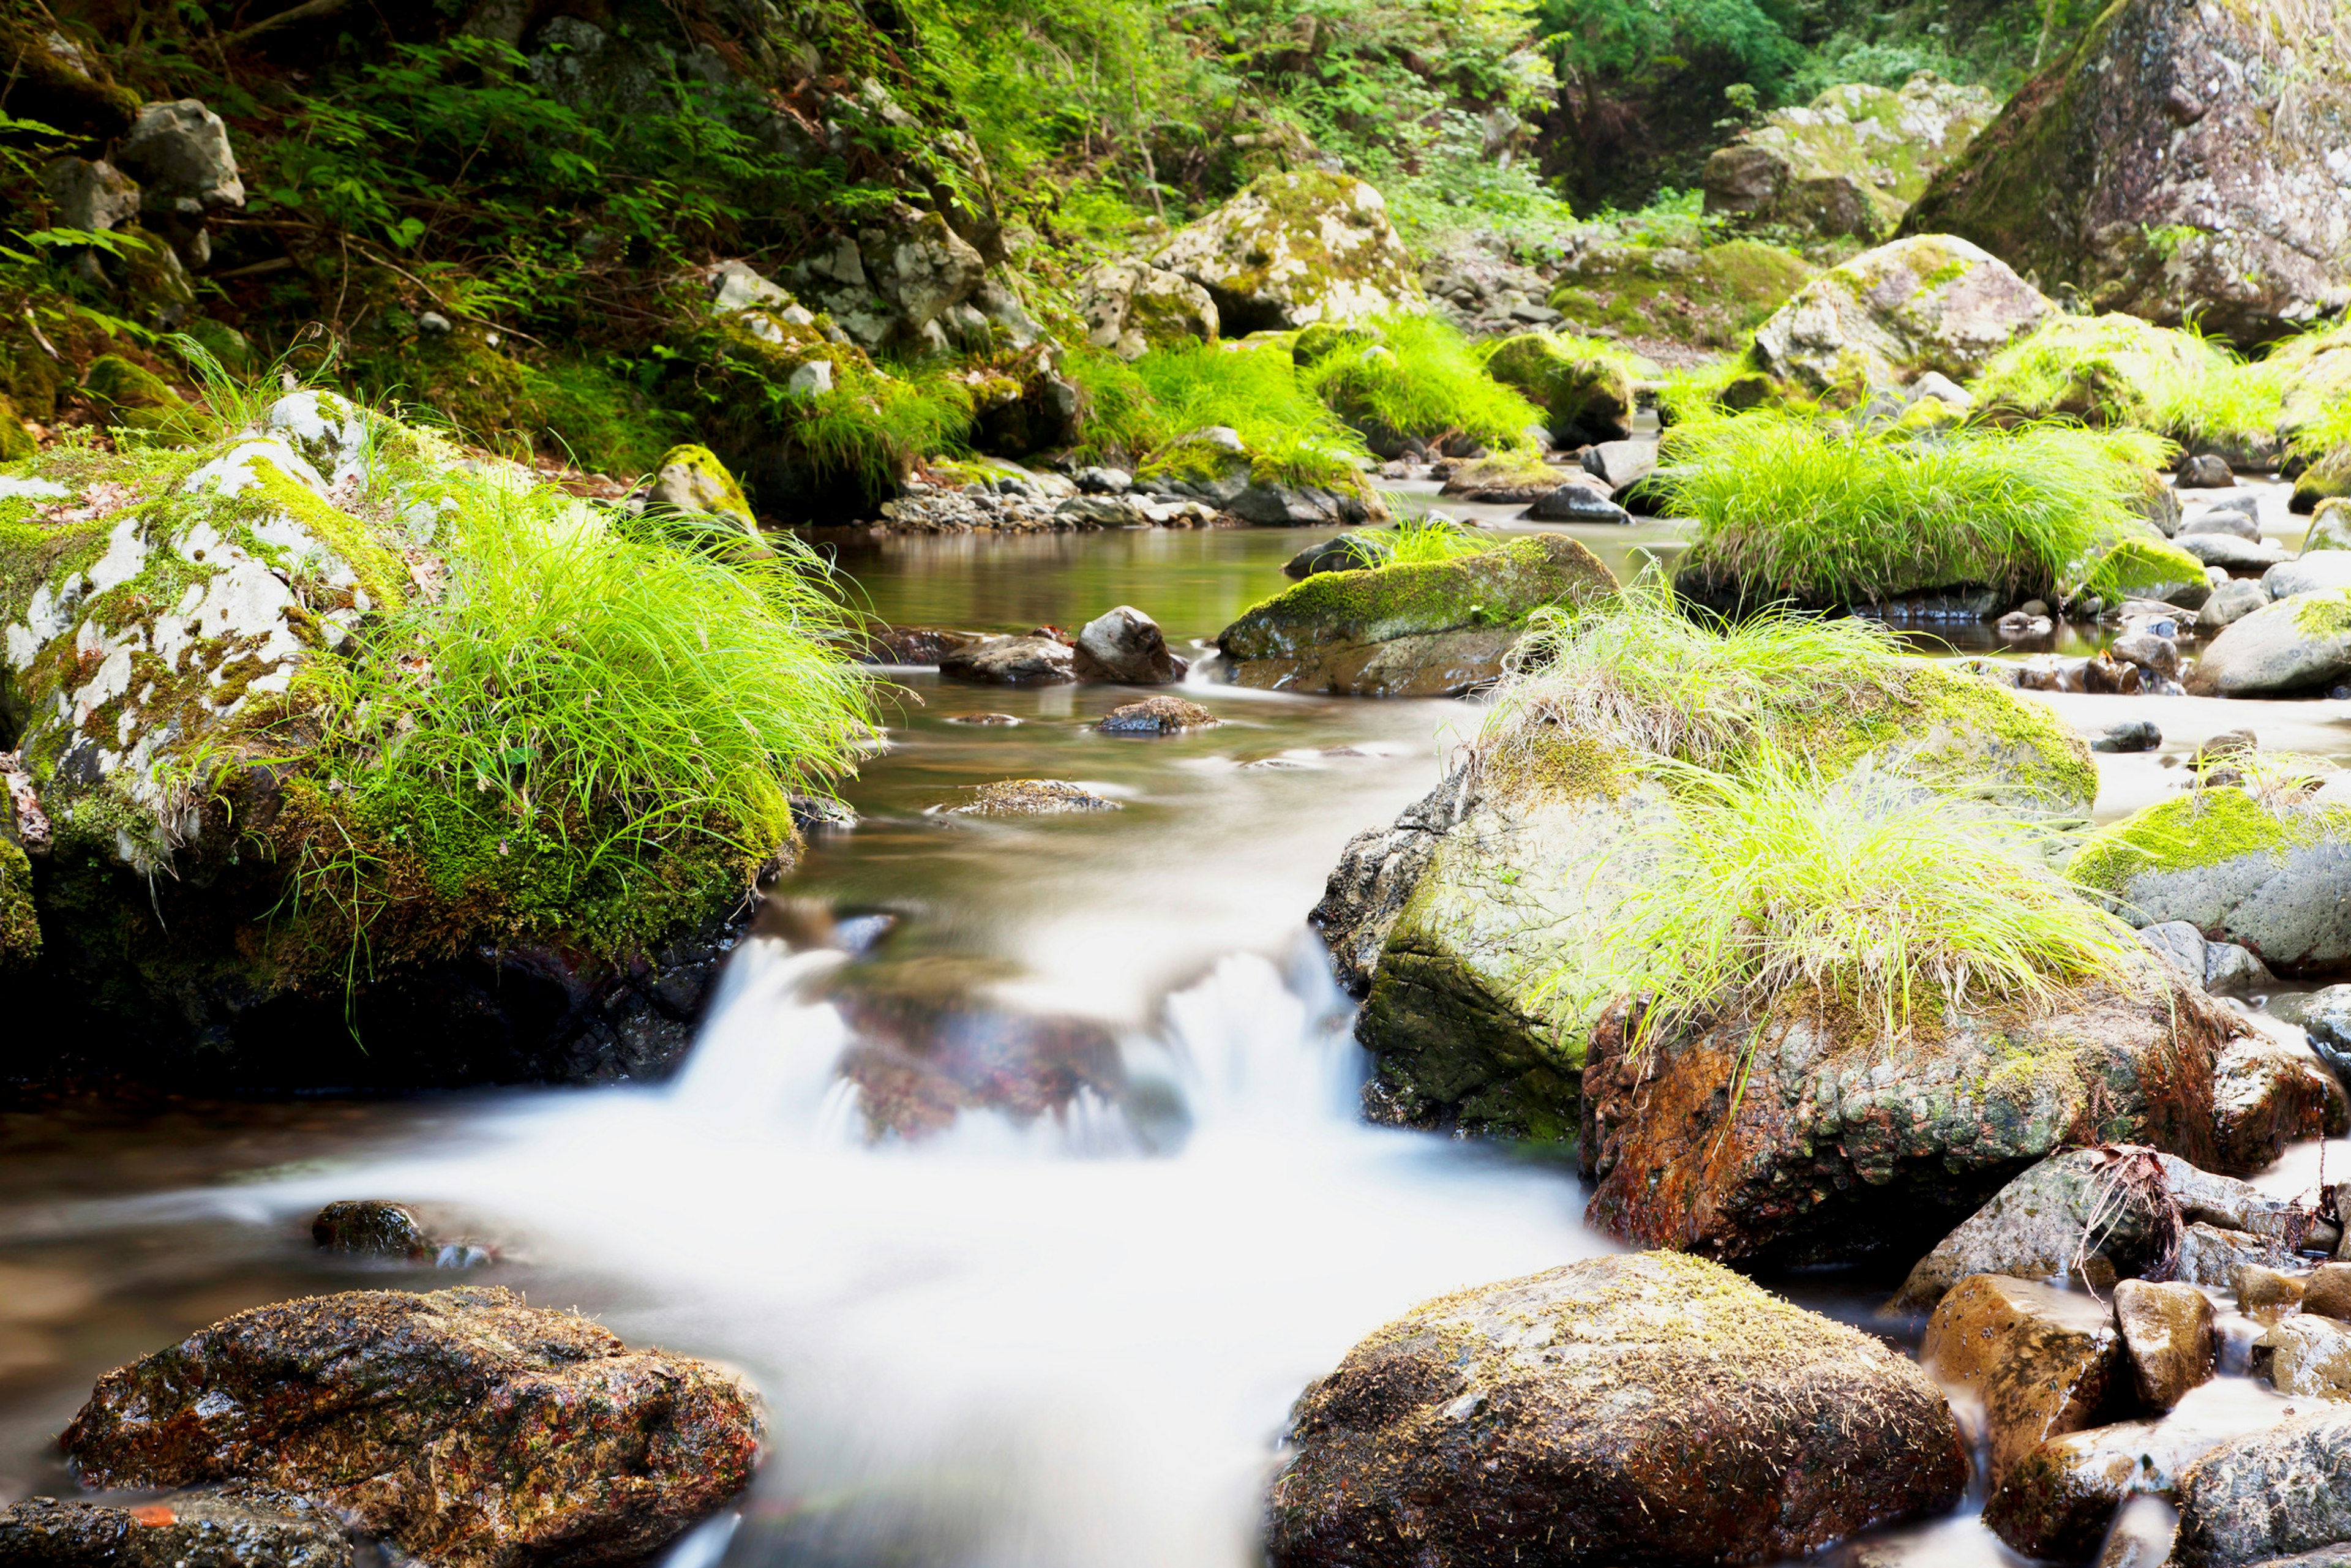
2268, 1092
1584, 391
240, 1525
1132, 308
179, 152
1849, 162
2274, 1494
2154, 568
1930, 302
691, 480
471, 1430
1712, 297
2241, 869
905, 282
1293, 248
1641, 1409
2303, 1355
2294, 647
2041, 1360
1030, 798
2186, 161
1035, 659
1432, 629
1156, 716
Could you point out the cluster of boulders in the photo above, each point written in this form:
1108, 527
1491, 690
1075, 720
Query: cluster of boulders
1043, 502
1849, 162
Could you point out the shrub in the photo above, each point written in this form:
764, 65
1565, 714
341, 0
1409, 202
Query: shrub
1813, 510
1254, 389
2118, 369
1415, 375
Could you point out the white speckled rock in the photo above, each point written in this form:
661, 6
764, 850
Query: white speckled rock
1296, 248
2296, 645
1927, 303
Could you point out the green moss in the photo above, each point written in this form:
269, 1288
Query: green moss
2201, 828
16, 442
131, 397
2323, 614
712, 488
1494, 588
1192, 459
2035, 751
2141, 567
1562, 766
379, 571
1584, 387
20, 926
1713, 298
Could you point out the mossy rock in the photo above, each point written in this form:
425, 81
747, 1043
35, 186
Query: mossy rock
690, 480
2149, 568
2103, 370
131, 397
1713, 298
16, 442
1585, 390
1928, 303
20, 922
1850, 162
1418, 630
1295, 247
2262, 874
1324, 339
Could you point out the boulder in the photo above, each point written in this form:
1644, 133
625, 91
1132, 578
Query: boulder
2268, 1092
2168, 1338
2230, 551
901, 282
2205, 471
1434, 629
1505, 479
2305, 1356
1708, 297
2155, 570
2221, 520
2228, 604
2328, 1294
180, 155
2310, 572
1580, 500
1840, 1143
692, 482
467, 1427
2218, 1256
1033, 659
2182, 163
2043, 1362
2270, 1495
1585, 389
89, 195
2234, 866
1132, 308
1156, 716
1639, 1408
1350, 551
1295, 247
240, 1525
1127, 646
2292, 647
1849, 162
1926, 303
1030, 798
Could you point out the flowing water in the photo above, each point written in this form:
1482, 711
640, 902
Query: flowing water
1057, 1342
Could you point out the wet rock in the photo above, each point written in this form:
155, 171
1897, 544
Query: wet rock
914, 644
2221, 520
1620, 464
2183, 163
2310, 572
1030, 660
235, 1526
1126, 645
1577, 502
2043, 1361
2168, 1338
1645, 1407
2057, 1502
1421, 629
1156, 716
2230, 602
2215, 1255
1351, 551
2325, 1017
471, 1430
372, 1228
1293, 248
1926, 303
2303, 1355
1849, 162
2131, 734
2229, 552
2017, 626
2266, 1293
2072, 1210
2270, 1495
2141, 1536
2328, 1292
2205, 471
2269, 1092
2160, 655
179, 153
1586, 396
1029, 798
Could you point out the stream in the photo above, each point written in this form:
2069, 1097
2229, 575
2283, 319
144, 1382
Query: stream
1059, 1344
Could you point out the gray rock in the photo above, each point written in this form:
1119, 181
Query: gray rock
2292, 646
2325, 1017
2230, 602
1103, 512
2182, 944
1030, 660
89, 195
2205, 471
179, 152
1297, 506
1294, 248
2310, 572
2214, 1254
2271, 1495
2228, 966
1029, 798
2303, 1354
1942, 389
1577, 503
2330, 526
2132, 734
736, 285
1620, 464
2148, 652
1103, 481
2229, 550
1126, 645
240, 1525
1931, 302
2220, 521
1351, 551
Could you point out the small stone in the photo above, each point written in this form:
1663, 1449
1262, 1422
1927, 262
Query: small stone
2228, 743
1030, 798
1126, 645
2205, 471
993, 718
2017, 626
2231, 600
2034, 607
433, 324
2266, 1290
372, 1229
2303, 1355
1577, 502
2131, 734
1156, 716
2167, 1337
813, 379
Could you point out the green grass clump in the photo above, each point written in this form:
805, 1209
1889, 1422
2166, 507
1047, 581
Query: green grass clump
2139, 567
1416, 375
1861, 894
2118, 369
1640, 676
873, 427
601, 422
579, 700
1119, 420
1416, 541
1254, 388
1812, 510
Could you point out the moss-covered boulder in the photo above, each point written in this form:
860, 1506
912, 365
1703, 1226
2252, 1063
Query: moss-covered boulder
1889, 314
1132, 308
690, 482
2264, 873
1646, 1408
1293, 248
1712, 297
1849, 162
276, 853
131, 397
2183, 162
1585, 388
2142, 568
1434, 629
2296, 647
1213, 465
1466, 925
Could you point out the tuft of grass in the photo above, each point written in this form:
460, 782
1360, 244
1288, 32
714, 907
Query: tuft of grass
1815, 511
1416, 541
1254, 388
1863, 892
873, 427
1119, 420
1416, 375
2118, 369
1639, 675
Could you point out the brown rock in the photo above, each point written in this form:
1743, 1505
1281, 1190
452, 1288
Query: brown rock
2305, 1356
1156, 716
1032, 660
2272, 1495
2057, 1500
2168, 1338
1030, 798
914, 644
2328, 1294
2262, 1290
1646, 1407
372, 1228
2267, 1094
471, 1430
2213, 1255
235, 1526
2043, 1361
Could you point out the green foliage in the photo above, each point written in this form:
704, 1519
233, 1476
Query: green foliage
1120, 419
2119, 369
1415, 374
1815, 510
601, 421
873, 427
1416, 541
1858, 894
1254, 389
1622, 39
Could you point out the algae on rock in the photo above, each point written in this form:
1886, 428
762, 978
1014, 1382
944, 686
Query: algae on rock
1849, 162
